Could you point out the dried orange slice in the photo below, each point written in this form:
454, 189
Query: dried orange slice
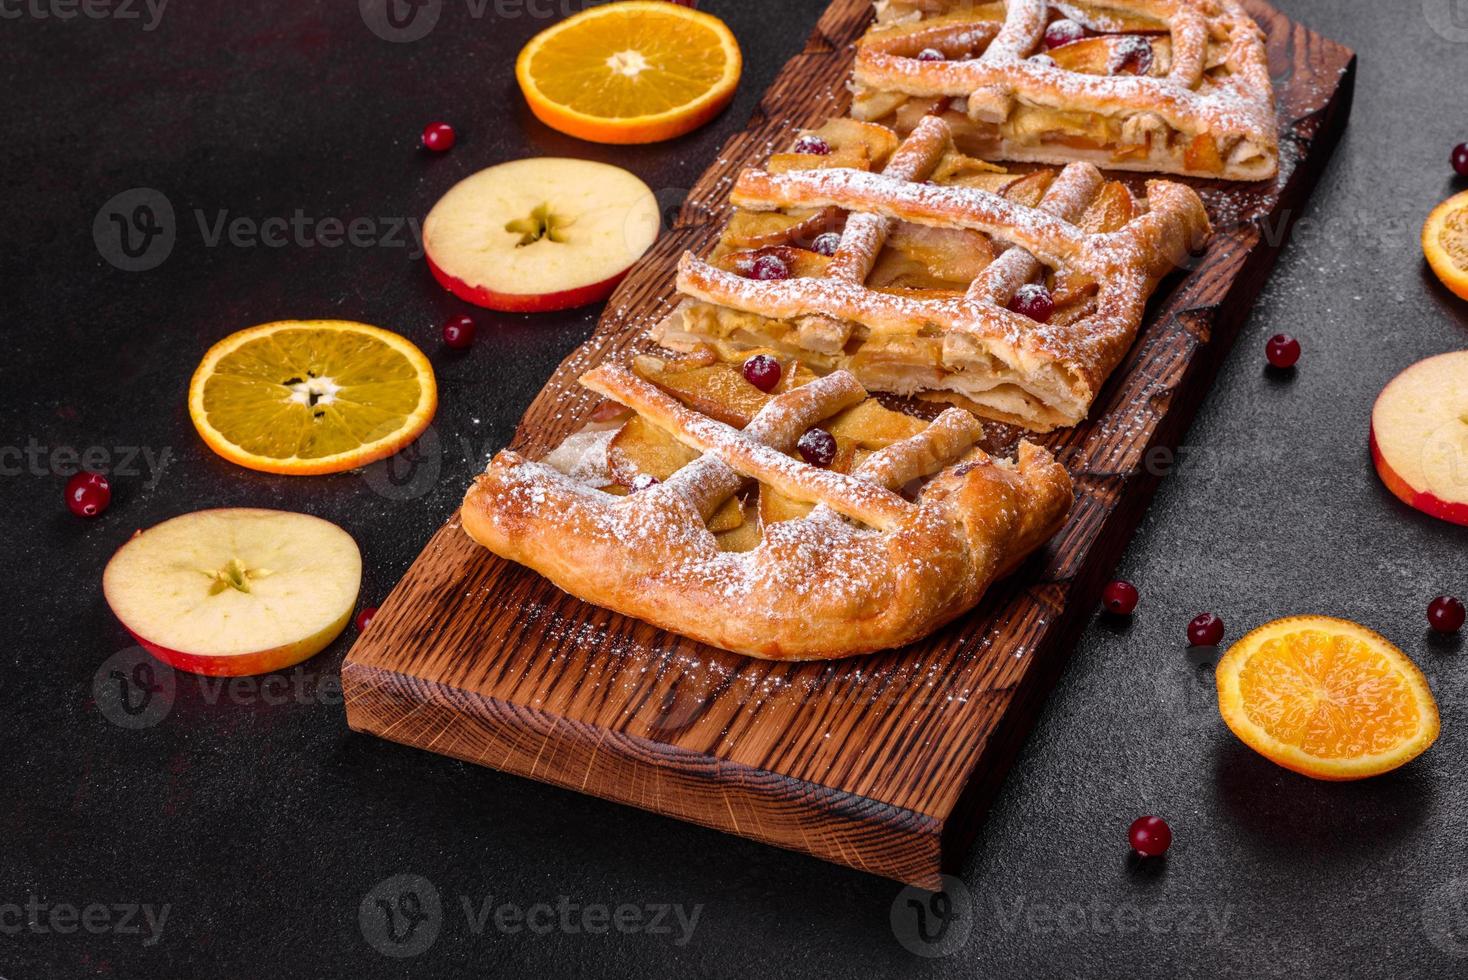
639, 71
1326, 698
305, 397
1445, 243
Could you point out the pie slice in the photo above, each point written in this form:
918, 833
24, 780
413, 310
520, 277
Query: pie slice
925, 271
1176, 86
689, 501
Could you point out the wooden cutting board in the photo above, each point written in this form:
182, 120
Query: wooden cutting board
886, 762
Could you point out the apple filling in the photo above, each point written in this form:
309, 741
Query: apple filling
991, 380
1043, 134
994, 377
1027, 127
620, 452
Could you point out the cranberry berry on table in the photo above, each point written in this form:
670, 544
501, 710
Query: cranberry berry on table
1205, 631
88, 494
439, 137
1446, 614
1120, 597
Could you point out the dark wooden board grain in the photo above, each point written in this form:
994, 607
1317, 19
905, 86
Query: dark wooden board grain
884, 762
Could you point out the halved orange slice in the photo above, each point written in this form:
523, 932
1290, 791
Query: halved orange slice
639, 71
306, 397
1445, 243
1326, 698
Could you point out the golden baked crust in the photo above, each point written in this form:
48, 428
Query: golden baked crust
1203, 106
866, 570
968, 342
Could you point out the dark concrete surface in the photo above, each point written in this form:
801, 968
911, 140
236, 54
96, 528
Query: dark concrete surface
266, 830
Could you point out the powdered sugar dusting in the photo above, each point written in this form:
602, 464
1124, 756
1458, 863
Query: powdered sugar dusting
1219, 83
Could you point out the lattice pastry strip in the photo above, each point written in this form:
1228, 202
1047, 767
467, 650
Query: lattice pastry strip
1003, 364
867, 570
1177, 86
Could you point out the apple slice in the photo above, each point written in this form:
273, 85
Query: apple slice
542, 234
1030, 189
1419, 436
760, 229
871, 425
235, 591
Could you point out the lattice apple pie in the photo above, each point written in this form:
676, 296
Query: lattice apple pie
766, 511
1178, 86
923, 270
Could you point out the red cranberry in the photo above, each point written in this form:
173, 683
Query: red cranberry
643, 481
1205, 631
1460, 159
1132, 56
768, 267
1150, 836
826, 243
817, 447
1282, 350
1034, 301
88, 494
458, 333
1446, 614
812, 144
364, 618
1120, 597
931, 54
1062, 32
762, 371
439, 137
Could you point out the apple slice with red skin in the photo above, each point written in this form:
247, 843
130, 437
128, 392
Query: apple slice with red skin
235, 591
1419, 436
531, 236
